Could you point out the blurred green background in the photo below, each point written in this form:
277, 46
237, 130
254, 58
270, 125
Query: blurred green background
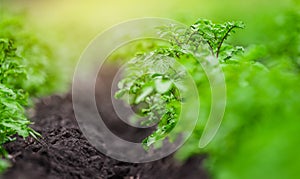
76, 23
259, 134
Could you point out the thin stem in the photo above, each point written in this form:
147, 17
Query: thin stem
224, 37
194, 33
211, 48
209, 44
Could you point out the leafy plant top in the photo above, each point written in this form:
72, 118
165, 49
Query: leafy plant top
150, 78
12, 97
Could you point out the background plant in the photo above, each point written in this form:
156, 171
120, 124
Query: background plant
13, 98
257, 138
26, 71
41, 61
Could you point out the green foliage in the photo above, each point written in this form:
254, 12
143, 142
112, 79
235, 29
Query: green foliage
12, 97
284, 49
148, 83
203, 34
25, 71
44, 73
258, 136
150, 77
215, 35
3, 165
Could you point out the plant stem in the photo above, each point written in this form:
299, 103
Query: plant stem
221, 42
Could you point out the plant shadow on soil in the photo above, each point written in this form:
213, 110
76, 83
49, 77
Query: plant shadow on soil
64, 152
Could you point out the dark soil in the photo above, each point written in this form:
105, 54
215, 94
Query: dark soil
63, 152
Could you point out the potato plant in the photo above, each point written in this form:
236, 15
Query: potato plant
44, 73
258, 134
26, 71
13, 98
149, 79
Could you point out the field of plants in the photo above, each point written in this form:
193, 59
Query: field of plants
255, 44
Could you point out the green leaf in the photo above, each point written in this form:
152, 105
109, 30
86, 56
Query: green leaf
145, 92
162, 85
